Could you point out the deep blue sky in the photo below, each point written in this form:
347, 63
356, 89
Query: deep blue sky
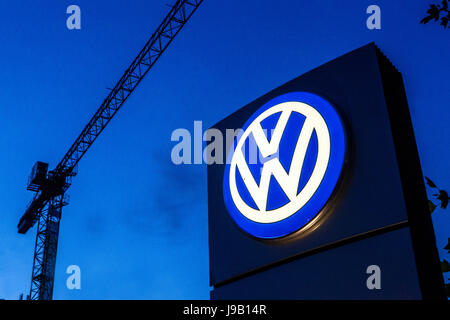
137, 225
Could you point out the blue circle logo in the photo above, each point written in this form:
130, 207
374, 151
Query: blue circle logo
284, 165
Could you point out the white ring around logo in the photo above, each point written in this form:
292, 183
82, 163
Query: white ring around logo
288, 181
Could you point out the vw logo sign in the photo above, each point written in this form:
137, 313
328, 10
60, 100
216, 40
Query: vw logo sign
285, 165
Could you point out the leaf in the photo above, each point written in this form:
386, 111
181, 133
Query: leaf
430, 183
445, 266
443, 196
447, 247
426, 19
434, 12
444, 22
431, 206
444, 5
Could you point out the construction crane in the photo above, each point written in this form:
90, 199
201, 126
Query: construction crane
50, 187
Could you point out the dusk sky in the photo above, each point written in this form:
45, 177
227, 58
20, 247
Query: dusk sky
137, 224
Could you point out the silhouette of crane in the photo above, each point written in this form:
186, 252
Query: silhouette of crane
50, 187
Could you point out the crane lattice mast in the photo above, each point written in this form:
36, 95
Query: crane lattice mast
50, 187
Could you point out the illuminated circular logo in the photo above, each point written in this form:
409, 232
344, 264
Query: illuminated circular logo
284, 165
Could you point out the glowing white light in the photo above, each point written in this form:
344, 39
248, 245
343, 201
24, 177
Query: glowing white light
288, 181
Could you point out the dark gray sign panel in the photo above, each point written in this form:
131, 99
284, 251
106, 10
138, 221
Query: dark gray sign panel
375, 211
